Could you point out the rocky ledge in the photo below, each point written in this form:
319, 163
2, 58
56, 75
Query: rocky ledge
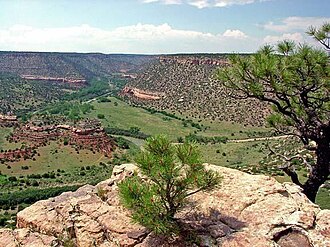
246, 210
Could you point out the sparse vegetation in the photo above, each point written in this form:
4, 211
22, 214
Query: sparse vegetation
23, 96
192, 90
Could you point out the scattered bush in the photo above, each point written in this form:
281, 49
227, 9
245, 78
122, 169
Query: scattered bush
100, 116
12, 179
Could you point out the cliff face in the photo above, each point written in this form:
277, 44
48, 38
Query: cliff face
247, 210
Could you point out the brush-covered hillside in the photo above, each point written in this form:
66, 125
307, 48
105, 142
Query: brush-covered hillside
69, 65
186, 84
20, 95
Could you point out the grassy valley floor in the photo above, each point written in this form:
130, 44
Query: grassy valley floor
57, 166
120, 114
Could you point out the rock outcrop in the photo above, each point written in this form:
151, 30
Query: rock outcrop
196, 60
85, 134
246, 210
8, 120
143, 95
56, 79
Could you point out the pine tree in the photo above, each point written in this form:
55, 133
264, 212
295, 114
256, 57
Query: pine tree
170, 175
295, 80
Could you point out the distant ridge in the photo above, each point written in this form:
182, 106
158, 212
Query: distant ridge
81, 66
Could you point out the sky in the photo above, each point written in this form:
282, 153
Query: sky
156, 26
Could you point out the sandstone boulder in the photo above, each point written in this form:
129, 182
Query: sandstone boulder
246, 210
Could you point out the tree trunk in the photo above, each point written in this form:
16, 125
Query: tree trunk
320, 171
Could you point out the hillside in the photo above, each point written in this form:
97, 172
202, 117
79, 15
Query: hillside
186, 85
181, 84
26, 95
29, 80
69, 65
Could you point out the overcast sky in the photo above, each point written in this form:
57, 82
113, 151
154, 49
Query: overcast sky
155, 26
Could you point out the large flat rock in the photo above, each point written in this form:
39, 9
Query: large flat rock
246, 210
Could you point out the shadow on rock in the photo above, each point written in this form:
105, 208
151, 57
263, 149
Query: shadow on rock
199, 229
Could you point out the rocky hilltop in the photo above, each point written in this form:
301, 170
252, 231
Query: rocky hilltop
247, 210
220, 60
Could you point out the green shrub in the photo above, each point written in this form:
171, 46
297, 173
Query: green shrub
103, 99
122, 143
12, 179
65, 141
100, 116
133, 132
174, 173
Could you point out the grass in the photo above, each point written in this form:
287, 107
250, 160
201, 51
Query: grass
229, 129
65, 158
3, 133
3, 179
119, 114
233, 154
4, 144
323, 198
137, 142
285, 178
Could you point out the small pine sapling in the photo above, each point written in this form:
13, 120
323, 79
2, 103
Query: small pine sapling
171, 173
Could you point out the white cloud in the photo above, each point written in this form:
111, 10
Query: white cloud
295, 23
293, 28
206, 3
225, 3
297, 37
234, 34
139, 38
166, 2
199, 3
149, 1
